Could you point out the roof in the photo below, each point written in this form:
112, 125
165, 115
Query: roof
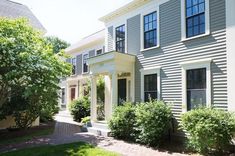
123, 10
15, 10
95, 38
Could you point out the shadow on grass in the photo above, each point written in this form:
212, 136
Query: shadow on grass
73, 149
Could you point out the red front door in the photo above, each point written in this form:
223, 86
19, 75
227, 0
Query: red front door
72, 94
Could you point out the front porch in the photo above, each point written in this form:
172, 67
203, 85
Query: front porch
118, 70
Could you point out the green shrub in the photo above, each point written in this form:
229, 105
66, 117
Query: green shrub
123, 121
80, 108
47, 114
85, 120
209, 130
153, 120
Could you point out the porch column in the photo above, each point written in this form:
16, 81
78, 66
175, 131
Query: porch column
114, 91
93, 98
107, 103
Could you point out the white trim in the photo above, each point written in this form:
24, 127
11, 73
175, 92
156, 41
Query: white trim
183, 21
230, 38
149, 10
86, 53
118, 24
149, 71
204, 63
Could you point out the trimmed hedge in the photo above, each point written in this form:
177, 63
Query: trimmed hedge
210, 130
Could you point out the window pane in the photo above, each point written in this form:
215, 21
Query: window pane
195, 2
189, 3
196, 98
189, 12
201, 8
120, 38
195, 10
202, 28
196, 79
150, 87
150, 95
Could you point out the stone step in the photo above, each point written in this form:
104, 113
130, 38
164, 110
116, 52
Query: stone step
99, 131
101, 125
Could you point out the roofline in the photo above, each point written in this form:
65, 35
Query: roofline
122, 10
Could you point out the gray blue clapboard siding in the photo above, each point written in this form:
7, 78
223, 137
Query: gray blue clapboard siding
91, 53
173, 51
79, 64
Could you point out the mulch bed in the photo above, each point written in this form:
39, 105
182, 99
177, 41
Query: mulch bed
6, 134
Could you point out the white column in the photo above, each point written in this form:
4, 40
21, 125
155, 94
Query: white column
93, 99
230, 34
107, 103
114, 91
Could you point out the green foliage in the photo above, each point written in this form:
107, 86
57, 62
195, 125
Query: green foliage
209, 130
100, 98
153, 120
86, 119
29, 72
56, 43
48, 113
80, 108
123, 121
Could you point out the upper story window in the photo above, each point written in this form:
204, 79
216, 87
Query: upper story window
85, 66
73, 62
120, 39
195, 18
99, 52
150, 30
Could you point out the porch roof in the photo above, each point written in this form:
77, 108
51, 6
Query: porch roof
111, 62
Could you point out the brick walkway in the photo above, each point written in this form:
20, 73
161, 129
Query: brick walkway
68, 131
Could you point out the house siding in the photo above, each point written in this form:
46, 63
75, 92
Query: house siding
173, 51
110, 39
92, 53
79, 64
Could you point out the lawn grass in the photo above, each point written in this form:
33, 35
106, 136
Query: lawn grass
73, 149
25, 135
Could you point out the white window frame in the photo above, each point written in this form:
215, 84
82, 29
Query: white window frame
204, 63
183, 21
83, 63
148, 11
149, 71
114, 34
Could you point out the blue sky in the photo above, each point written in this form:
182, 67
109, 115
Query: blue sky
72, 20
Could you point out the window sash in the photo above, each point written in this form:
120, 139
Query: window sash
150, 30
195, 17
196, 88
120, 38
85, 66
150, 87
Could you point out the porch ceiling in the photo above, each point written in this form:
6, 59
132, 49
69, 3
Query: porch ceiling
111, 62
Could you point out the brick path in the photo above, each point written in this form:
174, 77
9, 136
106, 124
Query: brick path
68, 131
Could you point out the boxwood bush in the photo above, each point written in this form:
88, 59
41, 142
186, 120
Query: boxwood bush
80, 108
122, 124
153, 120
209, 130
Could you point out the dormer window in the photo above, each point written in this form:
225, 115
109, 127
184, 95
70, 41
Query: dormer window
120, 39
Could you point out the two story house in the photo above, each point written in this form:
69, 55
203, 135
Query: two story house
75, 86
178, 51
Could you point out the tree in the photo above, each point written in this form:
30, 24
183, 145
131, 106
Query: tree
29, 72
57, 44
